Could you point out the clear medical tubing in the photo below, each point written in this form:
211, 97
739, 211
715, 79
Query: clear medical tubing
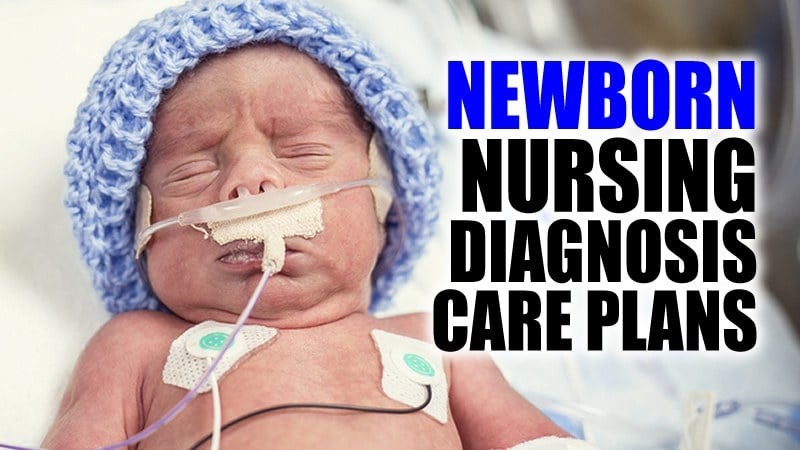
256, 204
191, 394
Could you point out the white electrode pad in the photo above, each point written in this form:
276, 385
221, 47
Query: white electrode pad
271, 228
190, 354
408, 365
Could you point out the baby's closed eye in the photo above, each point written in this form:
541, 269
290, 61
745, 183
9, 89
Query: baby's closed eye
307, 156
189, 178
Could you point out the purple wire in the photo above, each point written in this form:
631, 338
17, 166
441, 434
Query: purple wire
152, 428
193, 393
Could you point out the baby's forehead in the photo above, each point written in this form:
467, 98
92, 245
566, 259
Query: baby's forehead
261, 60
290, 69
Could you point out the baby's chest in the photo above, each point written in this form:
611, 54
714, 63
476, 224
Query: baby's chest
269, 367
297, 368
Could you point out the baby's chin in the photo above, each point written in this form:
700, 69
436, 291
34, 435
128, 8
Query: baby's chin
278, 308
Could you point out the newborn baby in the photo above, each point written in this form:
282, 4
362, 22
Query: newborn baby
258, 114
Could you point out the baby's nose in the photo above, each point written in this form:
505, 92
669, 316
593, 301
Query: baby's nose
251, 177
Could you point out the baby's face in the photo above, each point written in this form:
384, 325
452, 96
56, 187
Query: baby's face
259, 118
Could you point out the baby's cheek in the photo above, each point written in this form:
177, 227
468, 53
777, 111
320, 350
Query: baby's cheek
159, 268
171, 255
353, 223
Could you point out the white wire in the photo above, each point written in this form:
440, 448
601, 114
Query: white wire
217, 425
193, 393
209, 372
169, 415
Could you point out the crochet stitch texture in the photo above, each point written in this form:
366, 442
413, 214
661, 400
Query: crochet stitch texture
107, 146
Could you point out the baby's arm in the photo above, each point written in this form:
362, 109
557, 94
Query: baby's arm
102, 403
489, 413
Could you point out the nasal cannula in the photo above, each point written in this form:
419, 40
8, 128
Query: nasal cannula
256, 204
230, 210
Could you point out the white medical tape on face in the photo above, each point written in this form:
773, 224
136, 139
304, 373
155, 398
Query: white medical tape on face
272, 227
408, 365
379, 169
144, 210
291, 221
304, 220
189, 354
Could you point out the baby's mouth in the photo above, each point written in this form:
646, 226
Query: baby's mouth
242, 252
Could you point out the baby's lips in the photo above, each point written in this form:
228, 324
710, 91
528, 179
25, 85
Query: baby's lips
239, 252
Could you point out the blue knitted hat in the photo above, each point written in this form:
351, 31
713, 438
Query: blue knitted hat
107, 144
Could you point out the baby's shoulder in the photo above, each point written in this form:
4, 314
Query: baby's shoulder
131, 338
136, 329
415, 325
